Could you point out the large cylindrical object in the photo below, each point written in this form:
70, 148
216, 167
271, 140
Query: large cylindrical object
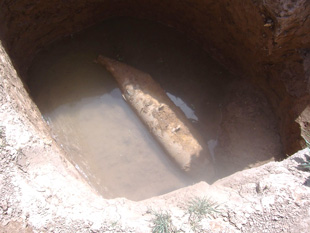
164, 119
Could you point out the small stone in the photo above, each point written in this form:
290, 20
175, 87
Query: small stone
267, 201
9, 211
258, 207
4, 205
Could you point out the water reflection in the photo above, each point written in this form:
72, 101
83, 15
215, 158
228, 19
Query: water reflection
189, 113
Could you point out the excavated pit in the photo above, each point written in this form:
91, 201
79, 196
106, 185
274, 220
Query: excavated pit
254, 114
106, 140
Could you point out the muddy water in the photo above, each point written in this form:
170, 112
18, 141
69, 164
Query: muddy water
100, 133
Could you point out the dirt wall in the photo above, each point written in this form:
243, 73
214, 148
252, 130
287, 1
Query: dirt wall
265, 41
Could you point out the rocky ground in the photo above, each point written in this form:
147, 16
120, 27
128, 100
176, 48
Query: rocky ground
40, 191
